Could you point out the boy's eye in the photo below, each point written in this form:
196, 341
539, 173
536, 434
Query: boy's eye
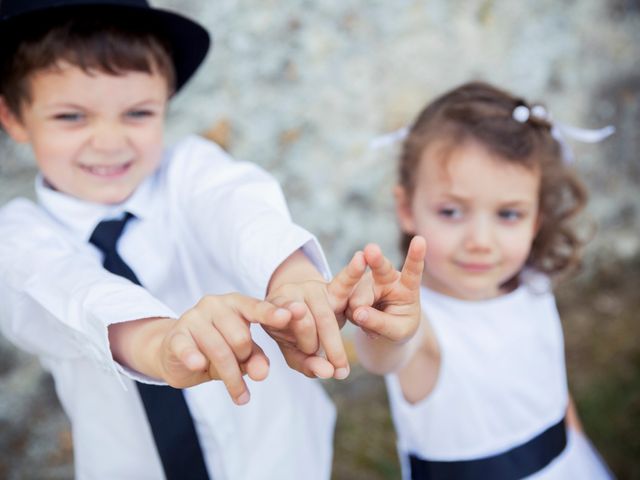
140, 113
510, 214
450, 212
69, 116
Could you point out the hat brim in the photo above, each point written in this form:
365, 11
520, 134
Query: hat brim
189, 41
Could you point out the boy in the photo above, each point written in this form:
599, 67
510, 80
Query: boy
121, 277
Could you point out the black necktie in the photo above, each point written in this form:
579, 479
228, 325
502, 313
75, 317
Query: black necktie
167, 411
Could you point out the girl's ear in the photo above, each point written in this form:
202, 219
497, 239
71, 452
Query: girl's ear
11, 123
403, 210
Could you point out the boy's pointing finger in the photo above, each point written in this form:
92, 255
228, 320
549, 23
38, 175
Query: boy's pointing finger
262, 312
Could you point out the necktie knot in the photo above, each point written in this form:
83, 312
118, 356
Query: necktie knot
107, 233
105, 237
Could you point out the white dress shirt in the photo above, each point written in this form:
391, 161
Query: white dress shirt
204, 224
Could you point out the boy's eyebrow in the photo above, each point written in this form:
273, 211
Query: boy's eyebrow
63, 105
454, 197
76, 106
148, 101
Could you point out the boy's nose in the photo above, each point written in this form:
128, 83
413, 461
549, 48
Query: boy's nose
108, 138
479, 234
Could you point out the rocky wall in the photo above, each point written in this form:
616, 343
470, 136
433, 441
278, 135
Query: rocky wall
302, 87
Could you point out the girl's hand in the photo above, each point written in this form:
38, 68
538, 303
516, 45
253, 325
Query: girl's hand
386, 302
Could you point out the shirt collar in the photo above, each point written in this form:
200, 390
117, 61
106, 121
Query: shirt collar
82, 217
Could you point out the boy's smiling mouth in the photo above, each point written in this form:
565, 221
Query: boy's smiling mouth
107, 171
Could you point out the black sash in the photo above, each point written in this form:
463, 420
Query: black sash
512, 464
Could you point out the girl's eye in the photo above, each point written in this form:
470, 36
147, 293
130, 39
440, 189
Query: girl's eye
510, 215
137, 114
450, 212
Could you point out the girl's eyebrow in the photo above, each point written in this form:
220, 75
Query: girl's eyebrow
517, 203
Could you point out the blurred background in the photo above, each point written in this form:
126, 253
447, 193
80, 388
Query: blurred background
302, 87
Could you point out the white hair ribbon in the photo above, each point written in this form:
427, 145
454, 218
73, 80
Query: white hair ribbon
561, 131
387, 139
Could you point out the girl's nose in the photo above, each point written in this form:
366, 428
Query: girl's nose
479, 235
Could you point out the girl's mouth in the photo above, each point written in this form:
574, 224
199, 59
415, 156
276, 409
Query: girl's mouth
475, 267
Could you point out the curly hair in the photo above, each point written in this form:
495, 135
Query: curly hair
483, 113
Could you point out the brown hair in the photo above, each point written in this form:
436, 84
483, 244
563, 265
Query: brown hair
93, 43
482, 113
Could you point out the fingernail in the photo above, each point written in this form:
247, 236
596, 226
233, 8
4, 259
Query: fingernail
341, 373
321, 375
361, 316
243, 399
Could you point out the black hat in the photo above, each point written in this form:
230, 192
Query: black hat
189, 41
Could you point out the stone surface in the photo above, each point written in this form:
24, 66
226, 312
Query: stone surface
302, 87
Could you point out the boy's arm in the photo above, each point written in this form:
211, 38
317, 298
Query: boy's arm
318, 314
57, 301
211, 341
238, 215
386, 305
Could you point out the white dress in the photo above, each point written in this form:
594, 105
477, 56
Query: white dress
501, 385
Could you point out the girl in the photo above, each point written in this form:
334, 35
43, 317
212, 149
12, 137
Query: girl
480, 390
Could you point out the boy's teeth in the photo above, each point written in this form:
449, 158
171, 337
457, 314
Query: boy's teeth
106, 170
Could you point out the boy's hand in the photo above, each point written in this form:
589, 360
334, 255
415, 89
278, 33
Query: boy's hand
210, 341
387, 302
318, 314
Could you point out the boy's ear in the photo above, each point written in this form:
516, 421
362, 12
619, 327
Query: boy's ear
11, 123
403, 210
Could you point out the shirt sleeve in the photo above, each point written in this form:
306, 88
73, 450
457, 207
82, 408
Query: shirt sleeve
56, 300
239, 213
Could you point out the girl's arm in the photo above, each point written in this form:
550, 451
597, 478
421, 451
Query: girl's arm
416, 361
573, 420
418, 376
380, 355
386, 305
